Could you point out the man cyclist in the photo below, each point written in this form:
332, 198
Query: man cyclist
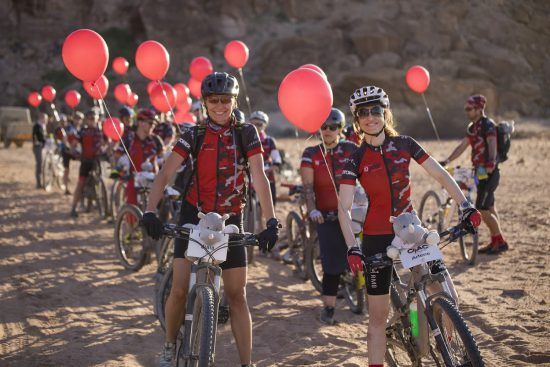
126, 115
166, 131
481, 135
217, 185
38, 142
69, 145
272, 157
92, 144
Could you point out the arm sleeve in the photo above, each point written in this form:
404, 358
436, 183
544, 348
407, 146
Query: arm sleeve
490, 129
416, 151
251, 141
350, 174
184, 144
307, 159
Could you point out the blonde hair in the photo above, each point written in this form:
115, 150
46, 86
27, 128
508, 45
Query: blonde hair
389, 125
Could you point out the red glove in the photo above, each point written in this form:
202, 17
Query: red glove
355, 259
471, 215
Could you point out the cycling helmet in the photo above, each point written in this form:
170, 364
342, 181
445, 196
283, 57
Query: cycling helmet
196, 106
94, 111
219, 83
477, 101
366, 96
126, 112
336, 117
146, 114
239, 116
260, 115
78, 115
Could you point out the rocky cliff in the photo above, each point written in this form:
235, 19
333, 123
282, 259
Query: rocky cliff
495, 47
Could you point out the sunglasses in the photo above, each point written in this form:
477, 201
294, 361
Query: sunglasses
330, 127
216, 100
377, 111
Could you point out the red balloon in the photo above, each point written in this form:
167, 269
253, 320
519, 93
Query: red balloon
97, 90
122, 91
48, 93
152, 60
163, 97
120, 65
132, 99
72, 98
314, 67
113, 128
200, 67
418, 78
151, 85
181, 117
34, 99
183, 92
236, 54
85, 54
305, 99
184, 105
194, 87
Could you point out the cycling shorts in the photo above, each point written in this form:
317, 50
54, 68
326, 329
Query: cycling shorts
486, 191
333, 247
379, 280
236, 256
66, 156
86, 166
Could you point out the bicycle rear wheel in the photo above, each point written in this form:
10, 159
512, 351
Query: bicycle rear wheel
313, 263
202, 329
297, 239
430, 211
460, 346
161, 296
130, 238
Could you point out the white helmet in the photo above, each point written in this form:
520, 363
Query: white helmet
260, 115
368, 95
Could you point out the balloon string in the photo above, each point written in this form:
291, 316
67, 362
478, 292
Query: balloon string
169, 105
245, 92
430, 116
116, 130
334, 183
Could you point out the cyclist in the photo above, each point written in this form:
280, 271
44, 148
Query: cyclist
166, 131
143, 146
217, 185
67, 151
126, 115
351, 135
38, 142
272, 157
481, 135
381, 164
320, 165
92, 144
198, 111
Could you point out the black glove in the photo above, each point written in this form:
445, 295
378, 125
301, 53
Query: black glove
269, 236
470, 216
153, 225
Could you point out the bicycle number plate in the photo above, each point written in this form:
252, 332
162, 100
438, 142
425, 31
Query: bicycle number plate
208, 250
419, 255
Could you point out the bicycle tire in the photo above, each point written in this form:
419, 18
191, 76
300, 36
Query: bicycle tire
120, 249
161, 296
203, 328
431, 219
102, 201
353, 293
118, 191
469, 252
313, 267
471, 350
297, 239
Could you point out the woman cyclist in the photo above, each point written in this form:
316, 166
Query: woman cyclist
217, 186
381, 164
322, 203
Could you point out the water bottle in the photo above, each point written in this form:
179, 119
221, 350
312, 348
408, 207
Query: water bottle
413, 318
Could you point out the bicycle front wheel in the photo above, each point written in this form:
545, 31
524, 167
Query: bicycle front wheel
297, 239
203, 329
101, 196
130, 238
456, 344
469, 245
430, 212
354, 291
313, 263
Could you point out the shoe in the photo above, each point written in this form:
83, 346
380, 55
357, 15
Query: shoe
168, 355
501, 247
327, 316
74, 214
485, 249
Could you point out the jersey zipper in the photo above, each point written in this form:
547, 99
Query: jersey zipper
216, 194
389, 179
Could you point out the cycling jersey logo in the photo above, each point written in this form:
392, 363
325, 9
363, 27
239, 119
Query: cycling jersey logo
184, 143
372, 168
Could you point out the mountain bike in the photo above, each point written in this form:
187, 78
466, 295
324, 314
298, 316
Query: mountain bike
198, 338
118, 192
94, 192
425, 327
298, 232
438, 210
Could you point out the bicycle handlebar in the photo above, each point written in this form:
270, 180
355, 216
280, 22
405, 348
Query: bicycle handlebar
235, 239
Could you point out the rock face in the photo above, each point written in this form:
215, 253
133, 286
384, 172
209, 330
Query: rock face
495, 47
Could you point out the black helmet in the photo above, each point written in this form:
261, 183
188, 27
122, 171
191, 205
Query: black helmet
219, 83
126, 112
336, 117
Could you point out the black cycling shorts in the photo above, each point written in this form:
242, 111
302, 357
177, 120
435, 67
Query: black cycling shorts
86, 166
378, 281
486, 191
66, 159
236, 256
333, 247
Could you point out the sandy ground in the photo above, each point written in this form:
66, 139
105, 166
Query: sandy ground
65, 301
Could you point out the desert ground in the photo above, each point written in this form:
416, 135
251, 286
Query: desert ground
65, 300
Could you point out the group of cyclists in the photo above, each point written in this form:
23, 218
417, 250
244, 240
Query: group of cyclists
226, 153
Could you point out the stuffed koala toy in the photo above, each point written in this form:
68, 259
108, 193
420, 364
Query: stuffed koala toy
212, 227
409, 233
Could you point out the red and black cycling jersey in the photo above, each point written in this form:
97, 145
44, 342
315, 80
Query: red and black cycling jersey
164, 130
268, 145
477, 134
384, 174
220, 173
337, 160
91, 139
351, 135
141, 150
